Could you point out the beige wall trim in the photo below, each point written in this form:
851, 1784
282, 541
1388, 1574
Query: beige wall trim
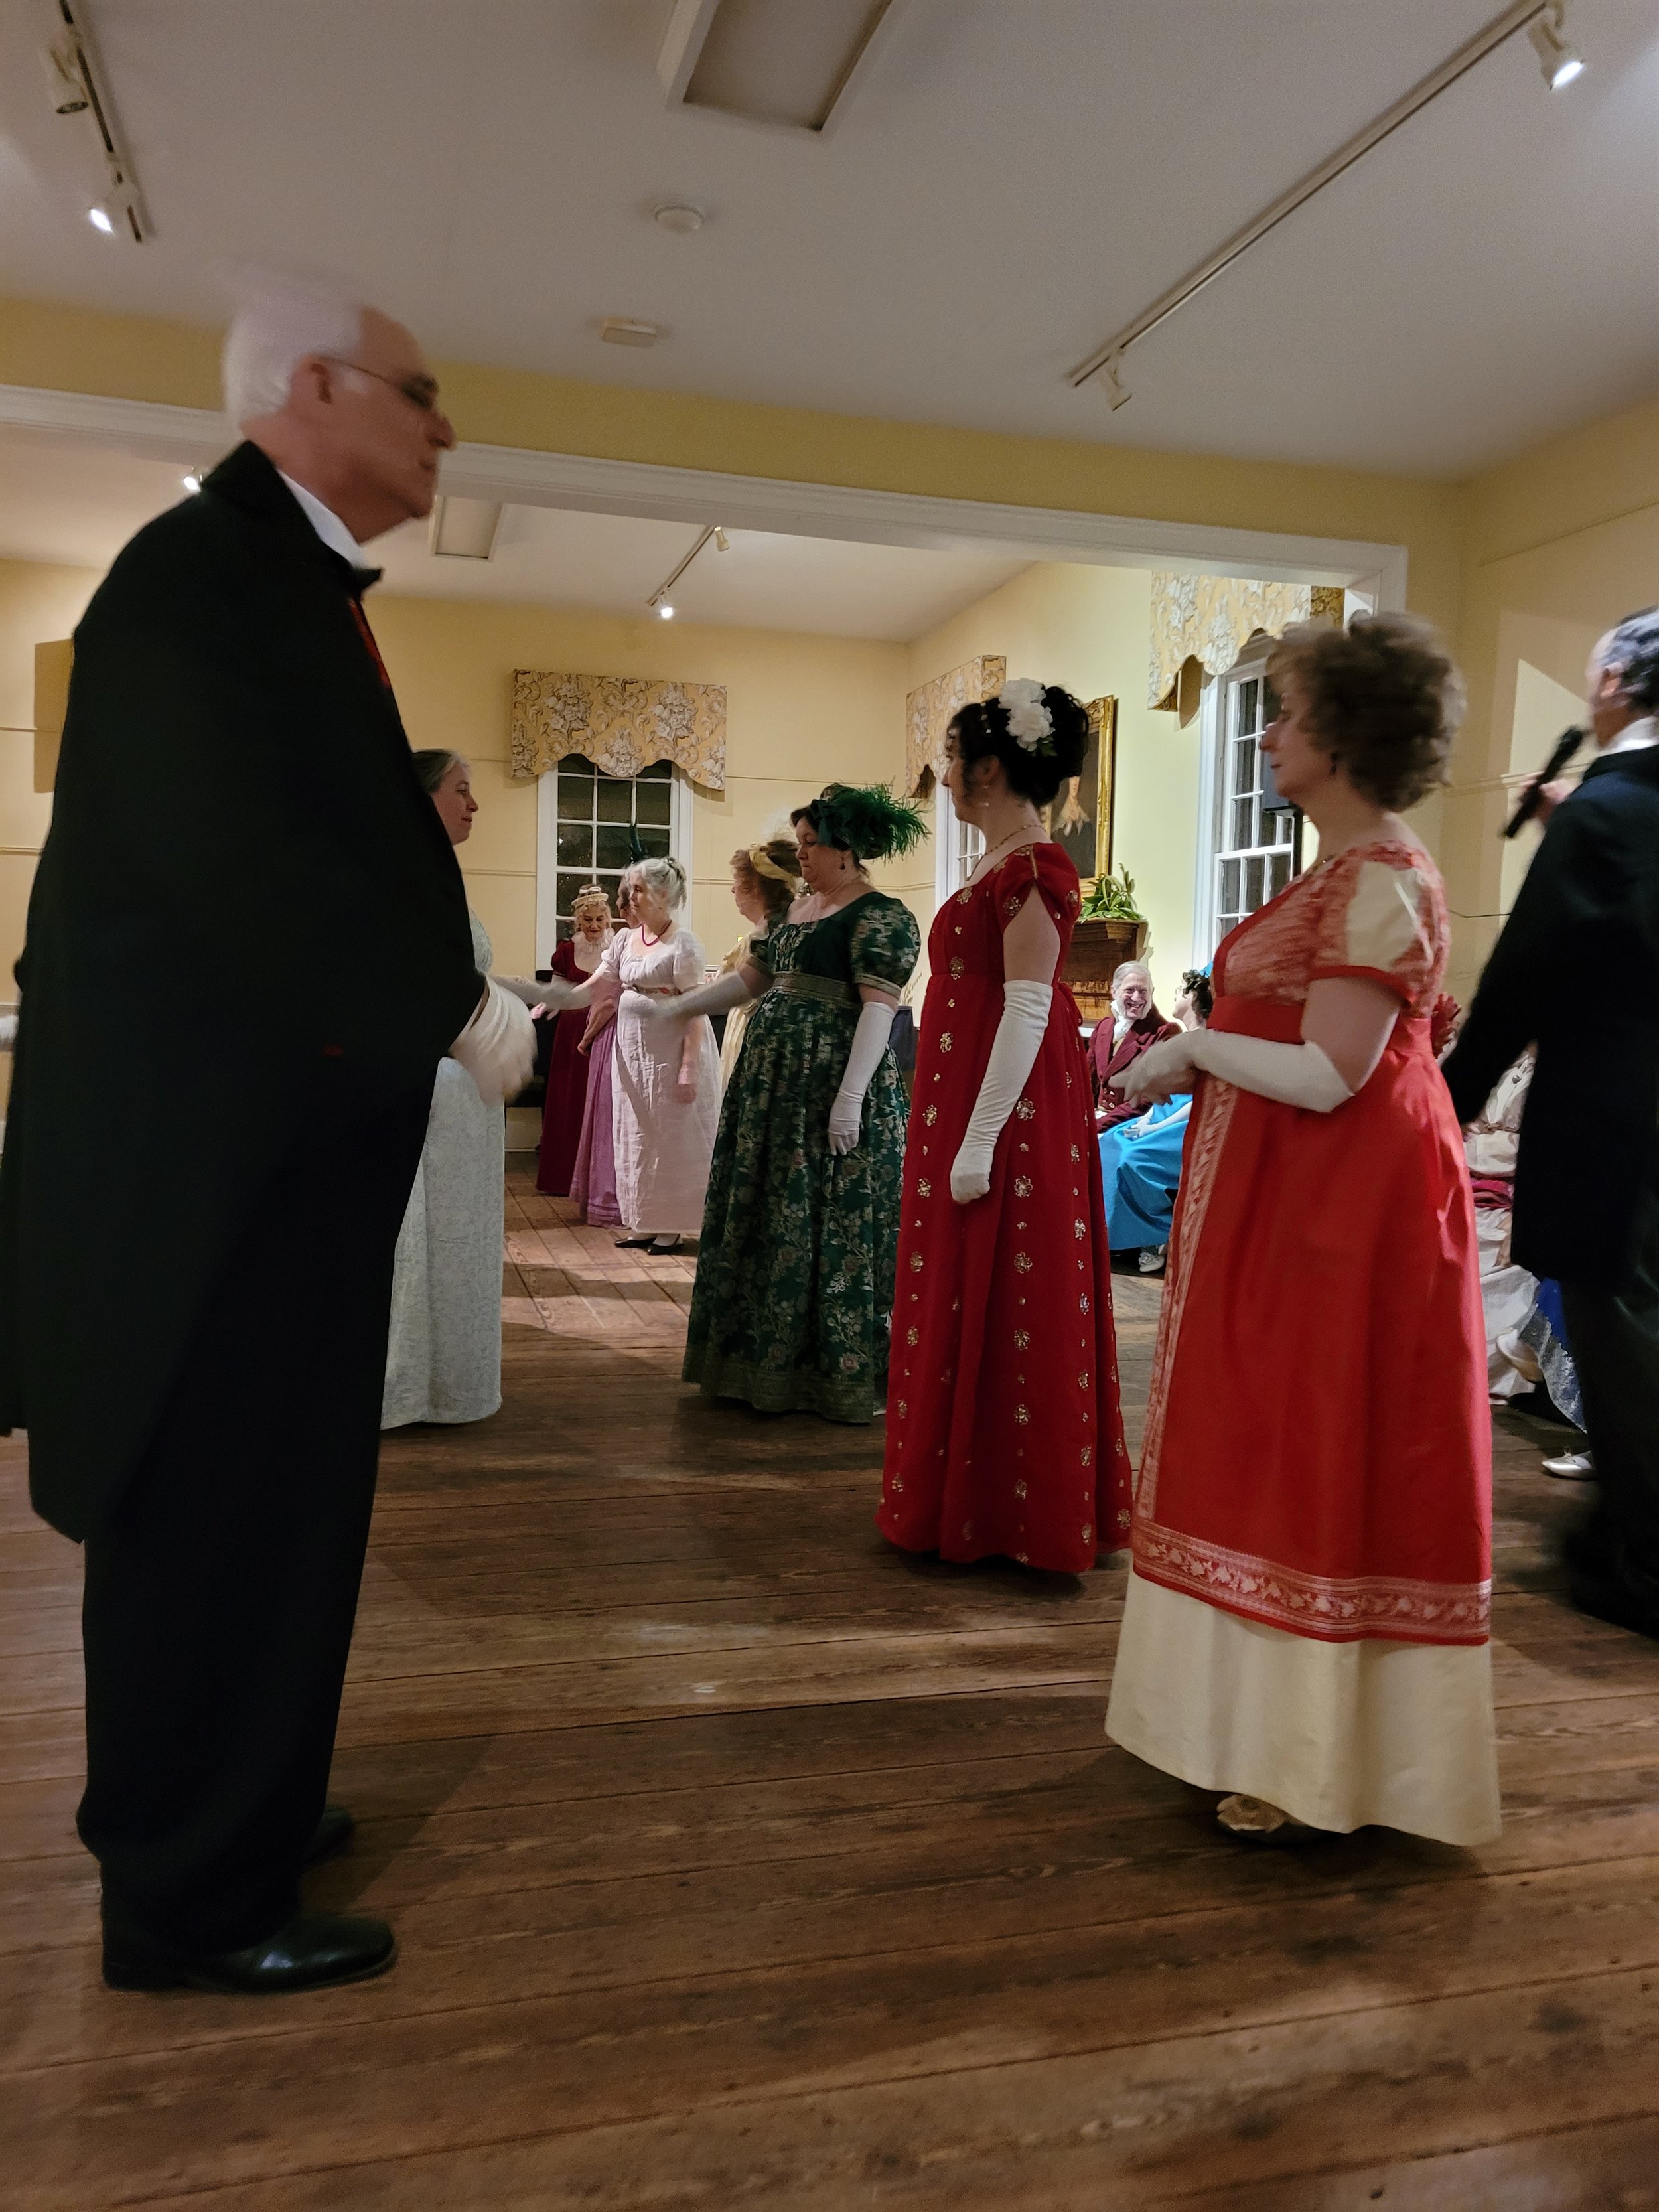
519, 476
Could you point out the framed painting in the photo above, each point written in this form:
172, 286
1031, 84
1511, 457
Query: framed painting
1083, 813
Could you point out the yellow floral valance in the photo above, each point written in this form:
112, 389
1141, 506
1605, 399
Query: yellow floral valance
621, 723
1209, 618
928, 714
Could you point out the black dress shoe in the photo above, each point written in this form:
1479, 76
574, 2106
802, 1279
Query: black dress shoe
313, 1951
334, 1831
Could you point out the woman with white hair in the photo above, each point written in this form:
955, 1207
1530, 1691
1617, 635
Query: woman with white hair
665, 1088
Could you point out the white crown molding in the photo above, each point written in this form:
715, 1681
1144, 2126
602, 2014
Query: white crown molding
522, 476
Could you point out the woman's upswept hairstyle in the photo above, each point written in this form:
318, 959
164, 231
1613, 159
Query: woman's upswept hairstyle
433, 765
981, 731
666, 877
863, 819
1384, 700
777, 891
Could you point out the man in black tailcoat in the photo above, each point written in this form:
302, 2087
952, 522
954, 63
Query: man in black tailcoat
248, 950
1576, 970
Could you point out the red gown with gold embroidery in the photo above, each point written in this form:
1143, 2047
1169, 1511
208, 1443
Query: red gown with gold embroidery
1004, 1433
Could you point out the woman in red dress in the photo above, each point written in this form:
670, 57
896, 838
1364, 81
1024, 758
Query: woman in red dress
1003, 1435
1306, 1623
573, 961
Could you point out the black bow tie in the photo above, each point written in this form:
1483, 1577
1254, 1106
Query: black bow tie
363, 578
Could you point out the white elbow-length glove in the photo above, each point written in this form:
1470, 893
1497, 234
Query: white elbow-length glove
716, 998
1295, 1074
1025, 1008
497, 1048
869, 1042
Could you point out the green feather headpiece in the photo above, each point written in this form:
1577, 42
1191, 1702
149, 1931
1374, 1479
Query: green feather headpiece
866, 818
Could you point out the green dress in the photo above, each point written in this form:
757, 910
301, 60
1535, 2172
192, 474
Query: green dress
795, 1291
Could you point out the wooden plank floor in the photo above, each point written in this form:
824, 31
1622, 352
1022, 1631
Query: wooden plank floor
741, 1862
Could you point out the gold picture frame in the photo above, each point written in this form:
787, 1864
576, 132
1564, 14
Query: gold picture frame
1083, 813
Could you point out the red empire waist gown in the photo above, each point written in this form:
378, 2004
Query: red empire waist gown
566, 1086
1004, 1434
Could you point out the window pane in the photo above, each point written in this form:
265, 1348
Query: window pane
568, 885
575, 845
1253, 878
1243, 812
1278, 869
611, 849
663, 768
575, 790
1245, 758
651, 801
655, 842
615, 796
1230, 887
1247, 696
1270, 704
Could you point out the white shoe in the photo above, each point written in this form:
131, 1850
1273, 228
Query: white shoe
1571, 1467
1152, 1257
1256, 1818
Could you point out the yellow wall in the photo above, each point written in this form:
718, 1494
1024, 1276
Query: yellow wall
1560, 542
802, 711
1090, 630
37, 603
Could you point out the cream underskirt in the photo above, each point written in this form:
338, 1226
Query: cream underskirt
1340, 1736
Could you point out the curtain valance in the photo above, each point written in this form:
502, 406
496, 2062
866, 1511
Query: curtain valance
928, 714
1209, 618
621, 723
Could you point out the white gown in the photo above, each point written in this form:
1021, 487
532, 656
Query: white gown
444, 1353
663, 1147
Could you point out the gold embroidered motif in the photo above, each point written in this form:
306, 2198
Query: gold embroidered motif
1083, 1306
1076, 1155
930, 1115
963, 898
943, 1046
915, 1335
915, 1263
1022, 1340
1019, 1490
958, 967
1022, 1186
1124, 1517
1088, 1530
904, 1409
1025, 1111
1082, 1381
1088, 1453
1023, 1414
897, 1482
1021, 1261
1080, 1228
924, 1189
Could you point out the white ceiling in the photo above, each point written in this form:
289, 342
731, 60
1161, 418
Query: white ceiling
77, 504
1014, 180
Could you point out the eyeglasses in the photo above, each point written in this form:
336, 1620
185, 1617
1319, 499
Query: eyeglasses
421, 390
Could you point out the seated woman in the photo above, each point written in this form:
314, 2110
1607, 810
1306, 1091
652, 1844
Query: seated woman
1135, 1027
1507, 1291
1140, 1160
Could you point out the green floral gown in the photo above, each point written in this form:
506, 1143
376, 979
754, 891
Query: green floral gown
794, 1290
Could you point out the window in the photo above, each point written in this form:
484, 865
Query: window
1254, 842
957, 847
588, 823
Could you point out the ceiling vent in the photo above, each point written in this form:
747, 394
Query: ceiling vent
790, 63
465, 529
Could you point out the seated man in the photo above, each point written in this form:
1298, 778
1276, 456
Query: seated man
1140, 1160
1136, 1025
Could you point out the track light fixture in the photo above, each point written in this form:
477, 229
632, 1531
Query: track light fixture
1557, 59
77, 88
659, 601
1544, 23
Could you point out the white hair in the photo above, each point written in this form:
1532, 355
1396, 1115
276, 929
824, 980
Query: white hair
283, 317
667, 878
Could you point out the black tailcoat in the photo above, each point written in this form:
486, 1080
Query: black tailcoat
1577, 971
243, 877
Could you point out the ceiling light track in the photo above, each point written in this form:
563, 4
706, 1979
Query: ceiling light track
77, 88
1544, 22
659, 603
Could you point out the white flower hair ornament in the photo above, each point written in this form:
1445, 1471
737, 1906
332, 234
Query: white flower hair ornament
1029, 723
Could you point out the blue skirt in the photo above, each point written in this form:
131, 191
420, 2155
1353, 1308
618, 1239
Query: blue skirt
1140, 1167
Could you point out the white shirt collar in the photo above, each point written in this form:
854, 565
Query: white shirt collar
326, 524
1634, 736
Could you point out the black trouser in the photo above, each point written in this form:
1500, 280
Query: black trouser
219, 1603
1614, 1338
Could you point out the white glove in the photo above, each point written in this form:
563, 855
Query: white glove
1014, 1048
869, 1042
1294, 1074
497, 1048
555, 992
716, 998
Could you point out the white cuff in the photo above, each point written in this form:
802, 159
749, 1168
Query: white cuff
1025, 1010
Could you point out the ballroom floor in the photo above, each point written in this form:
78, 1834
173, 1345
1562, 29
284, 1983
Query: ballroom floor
738, 1863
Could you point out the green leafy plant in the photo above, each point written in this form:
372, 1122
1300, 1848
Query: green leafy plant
1111, 898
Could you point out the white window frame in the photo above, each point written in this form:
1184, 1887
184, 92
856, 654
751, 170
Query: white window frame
958, 846
681, 815
1215, 796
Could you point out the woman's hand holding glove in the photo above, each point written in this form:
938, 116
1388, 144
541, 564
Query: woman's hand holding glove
1025, 1008
497, 1048
869, 1042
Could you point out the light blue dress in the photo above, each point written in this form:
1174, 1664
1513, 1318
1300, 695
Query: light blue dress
1140, 1168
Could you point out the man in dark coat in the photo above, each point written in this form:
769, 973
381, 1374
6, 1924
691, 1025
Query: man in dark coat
248, 950
1577, 971
1135, 1027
